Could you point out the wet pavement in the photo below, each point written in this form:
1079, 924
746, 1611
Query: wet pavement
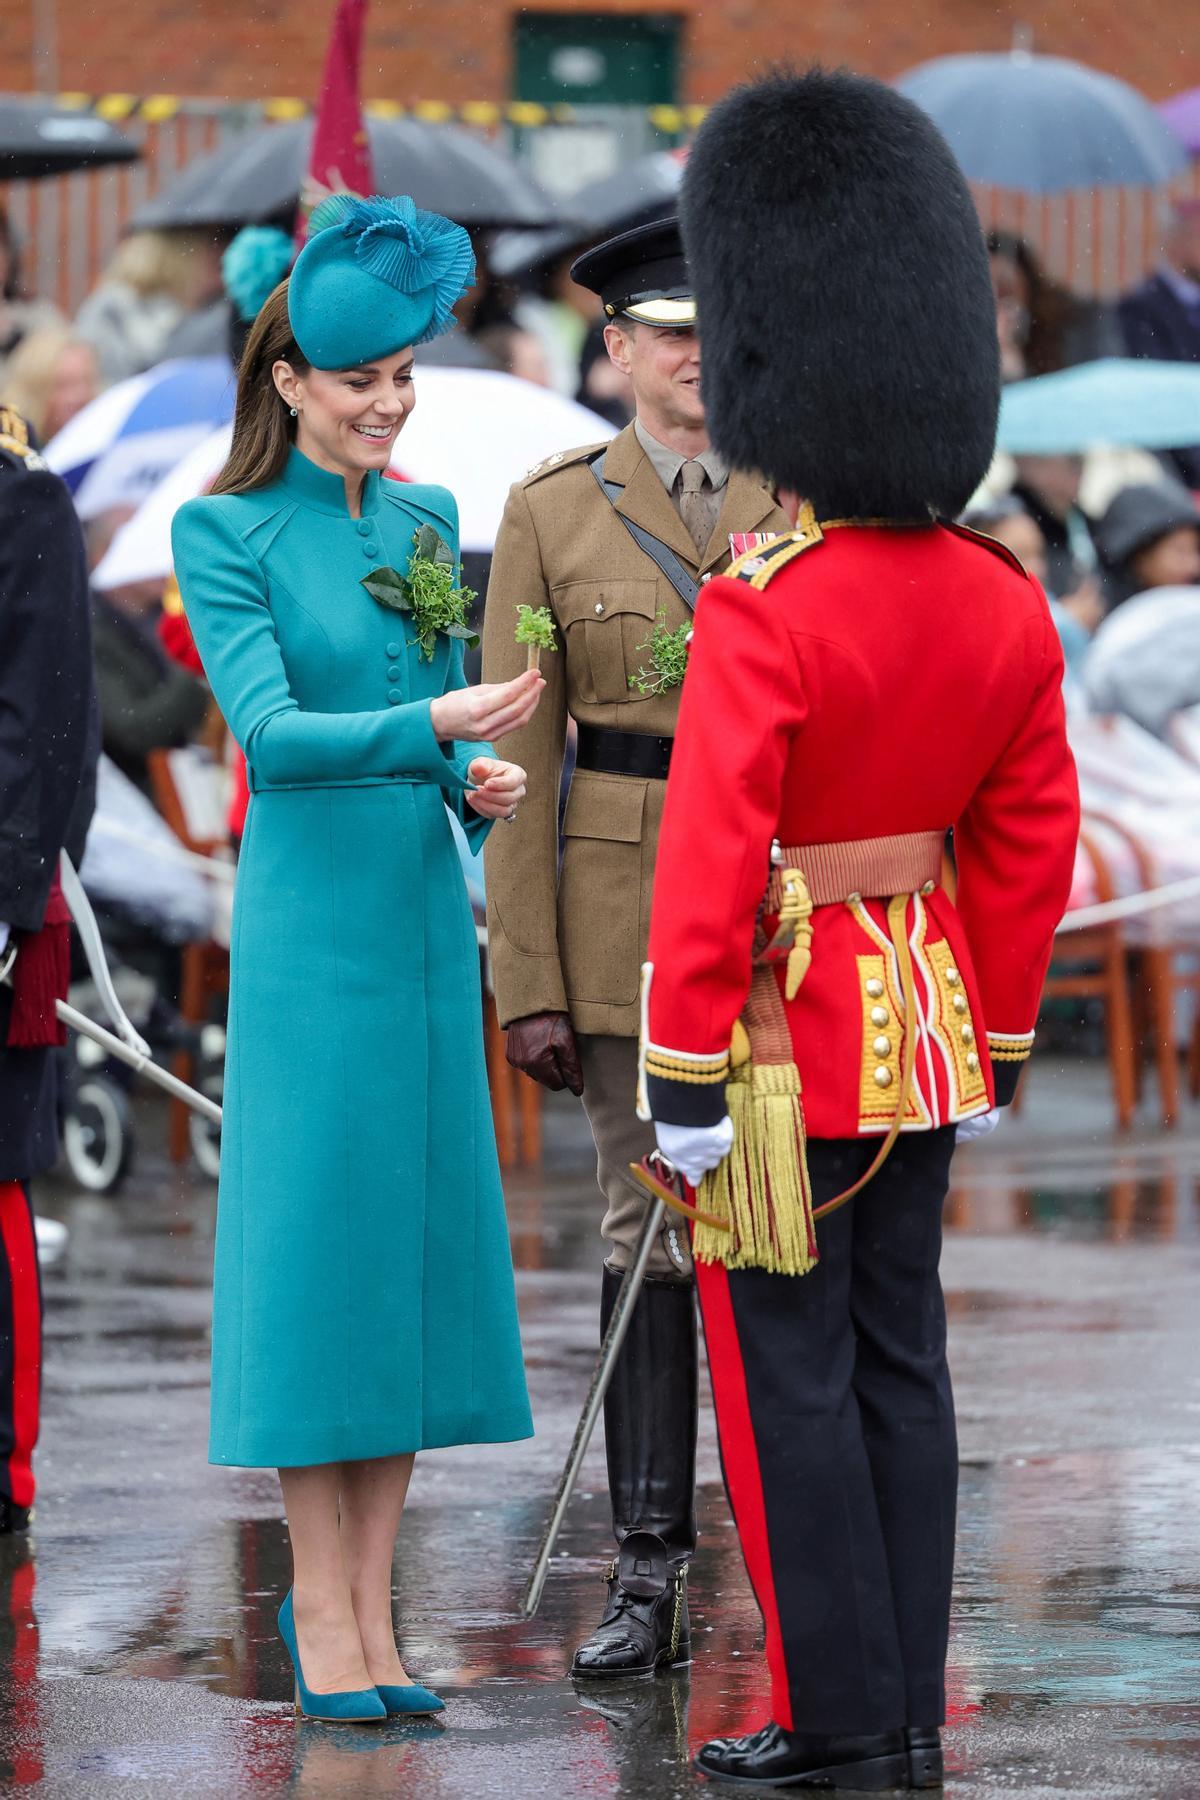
137, 1647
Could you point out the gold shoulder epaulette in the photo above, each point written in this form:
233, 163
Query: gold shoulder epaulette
760, 566
989, 543
14, 437
12, 425
562, 459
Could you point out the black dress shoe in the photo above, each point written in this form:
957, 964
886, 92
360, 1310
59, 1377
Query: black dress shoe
12, 1517
645, 1624
924, 1745
774, 1757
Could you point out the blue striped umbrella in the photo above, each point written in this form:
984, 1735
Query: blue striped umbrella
1154, 405
117, 449
1043, 124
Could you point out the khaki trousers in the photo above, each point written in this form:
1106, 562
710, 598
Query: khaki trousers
609, 1100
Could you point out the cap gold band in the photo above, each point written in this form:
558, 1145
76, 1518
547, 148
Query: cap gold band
661, 312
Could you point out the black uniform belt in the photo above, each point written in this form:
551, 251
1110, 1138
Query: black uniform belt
623, 753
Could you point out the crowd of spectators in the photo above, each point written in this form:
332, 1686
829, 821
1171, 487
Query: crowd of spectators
1103, 533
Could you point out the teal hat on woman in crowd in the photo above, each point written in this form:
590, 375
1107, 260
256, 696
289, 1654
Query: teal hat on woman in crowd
375, 276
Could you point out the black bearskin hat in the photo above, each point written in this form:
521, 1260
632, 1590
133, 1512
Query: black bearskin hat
846, 315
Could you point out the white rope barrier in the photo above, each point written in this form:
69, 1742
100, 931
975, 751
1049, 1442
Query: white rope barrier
1106, 912
1083, 918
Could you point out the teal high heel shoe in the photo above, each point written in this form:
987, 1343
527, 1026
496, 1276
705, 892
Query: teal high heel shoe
353, 1706
411, 1700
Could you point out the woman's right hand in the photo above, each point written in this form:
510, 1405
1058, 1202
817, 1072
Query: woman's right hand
482, 714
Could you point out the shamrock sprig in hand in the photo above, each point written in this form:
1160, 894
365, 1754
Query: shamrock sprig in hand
668, 659
427, 592
535, 628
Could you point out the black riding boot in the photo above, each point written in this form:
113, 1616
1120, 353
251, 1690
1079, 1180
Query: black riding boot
650, 1437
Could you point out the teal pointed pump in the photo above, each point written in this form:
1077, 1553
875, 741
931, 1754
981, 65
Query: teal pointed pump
353, 1706
411, 1700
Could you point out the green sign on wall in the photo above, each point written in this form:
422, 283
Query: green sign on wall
596, 59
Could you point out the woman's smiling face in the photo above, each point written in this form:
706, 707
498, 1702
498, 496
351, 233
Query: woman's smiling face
348, 419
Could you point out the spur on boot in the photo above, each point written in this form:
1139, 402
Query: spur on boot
925, 1764
409, 1700
774, 1758
352, 1706
645, 1624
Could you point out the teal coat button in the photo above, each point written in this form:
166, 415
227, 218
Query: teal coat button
371, 549
364, 528
395, 696
394, 649
394, 674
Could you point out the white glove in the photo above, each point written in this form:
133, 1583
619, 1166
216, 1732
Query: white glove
981, 1126
695, 1149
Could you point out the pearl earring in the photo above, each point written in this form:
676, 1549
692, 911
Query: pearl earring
293, 410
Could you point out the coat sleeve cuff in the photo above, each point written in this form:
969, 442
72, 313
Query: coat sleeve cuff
1009, 1052
685, 1089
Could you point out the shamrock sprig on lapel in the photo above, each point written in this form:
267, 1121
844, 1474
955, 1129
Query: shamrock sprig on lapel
427, 592
668, 659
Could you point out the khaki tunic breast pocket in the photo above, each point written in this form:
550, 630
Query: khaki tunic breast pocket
600, 889
603, 623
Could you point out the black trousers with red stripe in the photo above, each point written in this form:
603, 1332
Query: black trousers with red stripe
20, 1343
838, 1445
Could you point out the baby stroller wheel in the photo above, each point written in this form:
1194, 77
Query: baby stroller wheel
97, 1136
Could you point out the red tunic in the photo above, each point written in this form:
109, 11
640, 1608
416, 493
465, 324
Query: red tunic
887, 680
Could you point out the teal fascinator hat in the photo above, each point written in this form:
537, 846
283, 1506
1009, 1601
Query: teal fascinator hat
375, 276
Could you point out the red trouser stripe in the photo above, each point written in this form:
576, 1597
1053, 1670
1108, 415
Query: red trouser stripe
20, 1249
739, 1459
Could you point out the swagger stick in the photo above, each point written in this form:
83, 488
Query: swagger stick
115, 1046
614, 1337
145, 1065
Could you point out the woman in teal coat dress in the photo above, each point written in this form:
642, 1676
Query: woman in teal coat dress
363, 1302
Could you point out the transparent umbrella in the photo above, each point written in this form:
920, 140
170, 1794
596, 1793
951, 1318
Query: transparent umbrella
1043, 124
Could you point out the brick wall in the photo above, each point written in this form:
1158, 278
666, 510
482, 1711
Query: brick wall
458, 50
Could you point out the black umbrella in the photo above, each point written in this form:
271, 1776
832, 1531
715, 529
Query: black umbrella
255, 178
633, 195
39, 139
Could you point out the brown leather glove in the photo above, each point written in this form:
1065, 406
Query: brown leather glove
543, 1045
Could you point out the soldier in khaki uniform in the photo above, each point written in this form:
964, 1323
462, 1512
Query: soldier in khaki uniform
620, 562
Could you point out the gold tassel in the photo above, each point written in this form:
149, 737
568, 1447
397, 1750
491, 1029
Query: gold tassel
762, 1186
794, 928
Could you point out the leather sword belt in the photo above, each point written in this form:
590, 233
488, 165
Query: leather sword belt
607, 752
870, 868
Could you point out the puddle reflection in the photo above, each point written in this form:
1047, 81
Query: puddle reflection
149, 1652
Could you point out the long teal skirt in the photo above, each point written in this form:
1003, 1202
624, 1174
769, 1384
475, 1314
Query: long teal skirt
363, 1298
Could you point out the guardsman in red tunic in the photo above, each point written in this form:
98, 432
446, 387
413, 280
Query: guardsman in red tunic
817, 994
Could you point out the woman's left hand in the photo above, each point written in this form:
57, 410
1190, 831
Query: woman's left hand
498, 787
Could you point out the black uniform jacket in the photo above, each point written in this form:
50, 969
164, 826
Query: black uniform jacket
47, 749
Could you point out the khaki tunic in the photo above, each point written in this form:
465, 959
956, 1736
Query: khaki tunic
575, 943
